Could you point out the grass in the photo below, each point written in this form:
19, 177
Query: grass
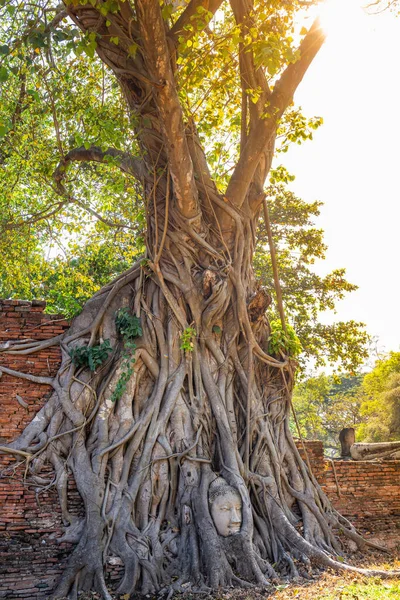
373, 590
343, 586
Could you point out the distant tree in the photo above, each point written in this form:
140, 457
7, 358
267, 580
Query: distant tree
306, 295
325, 405
68, 278
370, 403
380, 407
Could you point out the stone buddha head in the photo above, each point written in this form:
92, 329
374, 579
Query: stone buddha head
225, 507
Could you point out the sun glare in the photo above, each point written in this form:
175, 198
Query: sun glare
340, 17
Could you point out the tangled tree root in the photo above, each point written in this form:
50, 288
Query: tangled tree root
200, 398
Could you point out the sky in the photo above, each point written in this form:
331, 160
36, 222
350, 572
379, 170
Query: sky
353, 165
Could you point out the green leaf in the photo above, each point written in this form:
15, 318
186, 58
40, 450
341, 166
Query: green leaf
132, 50
5, 49
167, 11
37, 39
128, 325
90, 49
340, 559
283, 341
3, 130
4, 74
187, 339
33, 94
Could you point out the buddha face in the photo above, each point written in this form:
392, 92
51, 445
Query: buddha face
226, 511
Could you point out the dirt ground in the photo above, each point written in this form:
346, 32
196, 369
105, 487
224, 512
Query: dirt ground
322, 585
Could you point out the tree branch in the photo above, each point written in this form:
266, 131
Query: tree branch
190, 11
61, 14
281, 98
253, 78
157, 60
36, 217
126, 162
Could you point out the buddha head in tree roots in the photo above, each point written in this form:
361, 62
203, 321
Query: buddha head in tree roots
225, 507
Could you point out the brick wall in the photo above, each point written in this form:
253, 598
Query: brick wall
315, 453
30, 558
25, 320
368, 493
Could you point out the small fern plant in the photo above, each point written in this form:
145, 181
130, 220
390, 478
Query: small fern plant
129, 327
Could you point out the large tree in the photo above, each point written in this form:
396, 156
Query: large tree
170, 394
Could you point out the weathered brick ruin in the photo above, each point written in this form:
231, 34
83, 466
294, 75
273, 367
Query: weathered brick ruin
367, 493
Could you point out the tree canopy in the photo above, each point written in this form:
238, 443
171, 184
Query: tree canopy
73, 214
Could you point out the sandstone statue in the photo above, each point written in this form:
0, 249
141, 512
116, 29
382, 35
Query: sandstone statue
347, 437
225, 507
389, 450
